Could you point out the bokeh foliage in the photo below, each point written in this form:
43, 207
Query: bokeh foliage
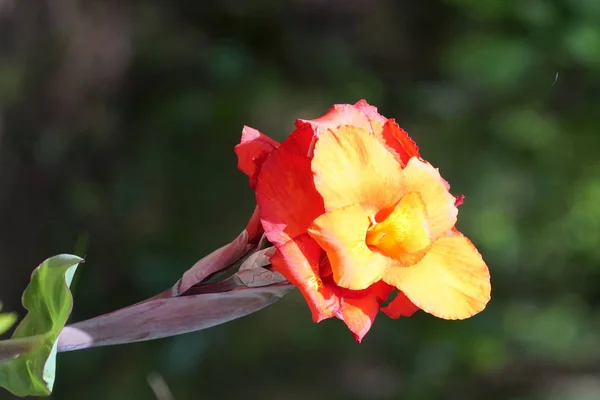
117, 125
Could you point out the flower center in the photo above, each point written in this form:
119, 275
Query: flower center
404, 233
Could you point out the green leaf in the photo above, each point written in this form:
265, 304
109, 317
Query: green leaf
28, 359
6, 320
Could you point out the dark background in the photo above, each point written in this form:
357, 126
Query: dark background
117, 126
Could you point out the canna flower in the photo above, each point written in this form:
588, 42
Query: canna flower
356, 215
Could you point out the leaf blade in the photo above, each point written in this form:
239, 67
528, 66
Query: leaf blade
159, 318
31, 370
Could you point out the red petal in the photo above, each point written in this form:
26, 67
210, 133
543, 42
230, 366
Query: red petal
397, 139
253, 151
298, 261
254, 227
359, 313
301, 141
400, 306
459, 200
286, 195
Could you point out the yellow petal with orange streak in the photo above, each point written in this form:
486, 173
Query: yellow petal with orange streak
419, 176
341, 233
352, 167
452, 281
404, 234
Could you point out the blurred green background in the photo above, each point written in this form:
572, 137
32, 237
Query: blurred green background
117, 126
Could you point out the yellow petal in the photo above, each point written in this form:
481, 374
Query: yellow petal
352, 167
450, 282
421, 177
404, 234
341, 233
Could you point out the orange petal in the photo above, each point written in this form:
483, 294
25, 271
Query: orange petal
359, 312
298, 261
341, 233
252, 152
286, 196
397, 139
450, 282
353, 167
400, 306
421, 177
404, 234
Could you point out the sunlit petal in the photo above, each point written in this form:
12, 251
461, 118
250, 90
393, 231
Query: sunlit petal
341, 233
352, 167
422, 178
450, 282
